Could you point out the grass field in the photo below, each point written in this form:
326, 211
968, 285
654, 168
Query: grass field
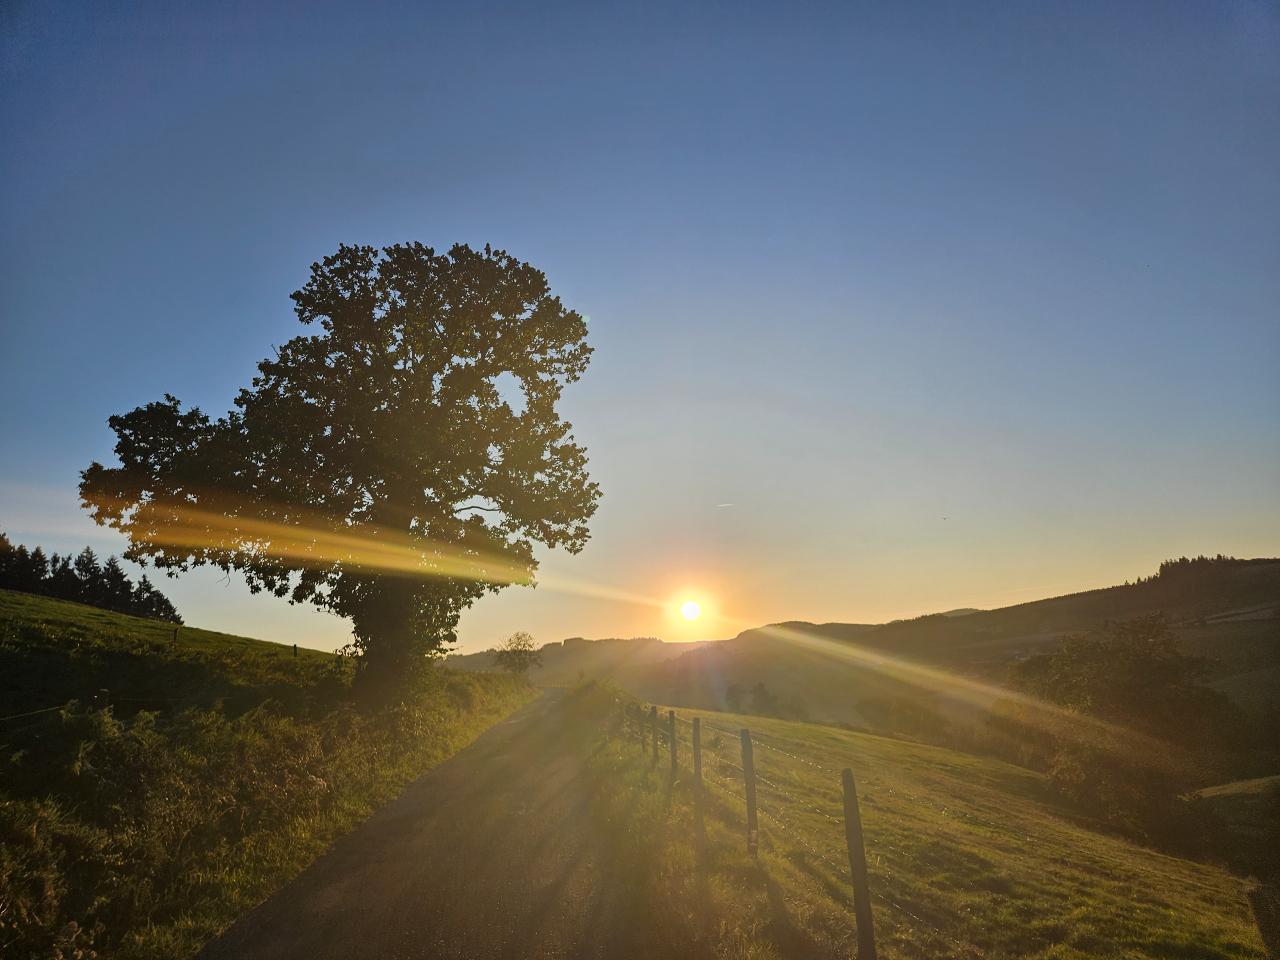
152, 789
73, 651
1251, 811
968, 857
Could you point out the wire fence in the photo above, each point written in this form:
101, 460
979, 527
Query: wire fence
744, 785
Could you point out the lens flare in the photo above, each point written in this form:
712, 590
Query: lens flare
317, 542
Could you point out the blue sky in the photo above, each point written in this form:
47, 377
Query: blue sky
852, 269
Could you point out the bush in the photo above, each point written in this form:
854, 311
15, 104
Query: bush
1145, 801
112, 828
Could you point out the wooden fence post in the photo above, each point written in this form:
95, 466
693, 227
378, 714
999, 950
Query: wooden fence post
749, 775
671, 736
653, 719
858, 869
697, 751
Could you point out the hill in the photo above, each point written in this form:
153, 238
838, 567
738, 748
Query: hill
154, 785
968, 857
1251, 811
1225, 610
59, 651
568, 661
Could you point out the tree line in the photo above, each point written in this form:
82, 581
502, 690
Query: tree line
82, 579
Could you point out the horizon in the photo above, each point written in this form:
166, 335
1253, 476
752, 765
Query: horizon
891, 312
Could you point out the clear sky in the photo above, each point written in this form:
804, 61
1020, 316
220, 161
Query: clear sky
896, 307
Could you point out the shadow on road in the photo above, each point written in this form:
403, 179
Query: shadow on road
493, 854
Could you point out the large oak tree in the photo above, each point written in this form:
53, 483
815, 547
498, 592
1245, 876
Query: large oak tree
391, 467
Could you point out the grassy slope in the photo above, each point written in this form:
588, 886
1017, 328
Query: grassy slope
73, 650
1251, 810
1228, 613
968, 857
222, 766
1245, 652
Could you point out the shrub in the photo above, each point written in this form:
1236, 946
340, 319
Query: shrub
112, 828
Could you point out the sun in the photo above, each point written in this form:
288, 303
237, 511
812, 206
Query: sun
691, 610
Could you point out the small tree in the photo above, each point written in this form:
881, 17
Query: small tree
763, 700
518, 654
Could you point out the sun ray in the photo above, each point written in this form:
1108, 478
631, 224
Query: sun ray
315, 541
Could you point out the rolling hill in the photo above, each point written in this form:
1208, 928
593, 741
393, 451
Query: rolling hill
968, 856
1222, 609
567, 661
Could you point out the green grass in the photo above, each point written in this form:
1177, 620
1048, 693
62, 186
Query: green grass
73, 651
1251, 811
139, 822
969, 857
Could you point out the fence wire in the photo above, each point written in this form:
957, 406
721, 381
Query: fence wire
790, 829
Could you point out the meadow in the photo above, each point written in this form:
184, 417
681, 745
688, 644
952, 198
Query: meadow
968, 856
154, 786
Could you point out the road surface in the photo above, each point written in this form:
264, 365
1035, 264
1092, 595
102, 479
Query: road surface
491, 854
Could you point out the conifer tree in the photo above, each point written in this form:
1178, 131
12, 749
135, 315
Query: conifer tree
117, 591
37, 571
89, 574
62, 579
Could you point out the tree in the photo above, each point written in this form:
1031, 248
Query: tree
392, 467
84, 581
62, 579
38, 571
1134, 673
8, 558
25, 570
517, 654
89, 574
117, 588
150, 602
763, 701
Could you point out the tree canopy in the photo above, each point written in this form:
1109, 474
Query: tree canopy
391, 467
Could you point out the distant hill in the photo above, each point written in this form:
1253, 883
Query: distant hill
565, 660
1224, 609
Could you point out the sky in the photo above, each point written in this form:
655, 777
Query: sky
896, 307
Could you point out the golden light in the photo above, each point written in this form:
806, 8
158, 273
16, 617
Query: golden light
319, 542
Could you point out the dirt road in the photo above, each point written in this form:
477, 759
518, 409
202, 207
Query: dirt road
492, 854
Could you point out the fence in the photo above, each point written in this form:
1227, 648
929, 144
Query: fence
724, 774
